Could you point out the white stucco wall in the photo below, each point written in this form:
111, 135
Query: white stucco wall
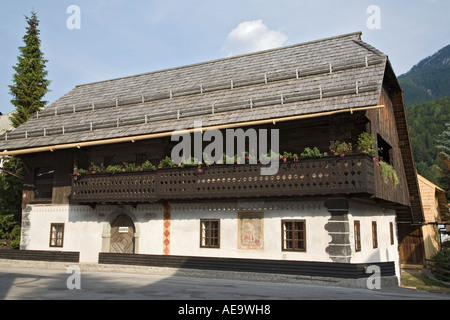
385, 251
86, 230
185, 236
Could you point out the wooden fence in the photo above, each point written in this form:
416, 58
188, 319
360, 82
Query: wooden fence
440, 270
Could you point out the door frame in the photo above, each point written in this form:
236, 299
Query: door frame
106, 234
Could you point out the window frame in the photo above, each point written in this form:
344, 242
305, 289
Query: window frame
57, 226
357, 235
295, 239
43, 179
391, 232
208, 234
374, 235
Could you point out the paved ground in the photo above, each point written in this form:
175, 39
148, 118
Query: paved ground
44, 284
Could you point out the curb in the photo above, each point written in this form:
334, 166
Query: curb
194, 273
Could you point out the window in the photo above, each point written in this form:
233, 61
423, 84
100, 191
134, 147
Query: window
56, 235
293, 235
140, 158
384, 150
43, 181
210, 233
391, 232
357, 230
374, 235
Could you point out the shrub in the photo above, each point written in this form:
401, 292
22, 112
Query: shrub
114, 169
97, 168
192, 162
311, 153
10, 230
167, 162
367, 144
271, 155
341, 148
130, 167
81, 171
148, 166
388, 173
442, 264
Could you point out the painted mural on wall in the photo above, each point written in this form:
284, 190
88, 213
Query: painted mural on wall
251, 231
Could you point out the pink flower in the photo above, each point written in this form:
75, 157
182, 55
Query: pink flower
284, 159
200, 170
342, 155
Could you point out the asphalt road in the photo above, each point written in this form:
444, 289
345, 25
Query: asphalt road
42, 284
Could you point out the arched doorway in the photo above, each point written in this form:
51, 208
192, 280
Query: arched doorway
122, 235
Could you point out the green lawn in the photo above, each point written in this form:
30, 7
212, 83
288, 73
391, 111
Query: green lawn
419, 280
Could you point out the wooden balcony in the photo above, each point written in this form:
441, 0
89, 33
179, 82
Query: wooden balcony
353, 174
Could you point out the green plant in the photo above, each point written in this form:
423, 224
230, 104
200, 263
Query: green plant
341, 148
97, 168
249, 156
442, 264
167, 162
286, 156
192, 162
271, 155
367, 144
15, 237
229, 160
388, 173
114, 169
80, 171
311, 153
10, 230
148, 166
130, 167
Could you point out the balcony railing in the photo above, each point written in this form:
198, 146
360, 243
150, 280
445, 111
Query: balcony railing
353, 174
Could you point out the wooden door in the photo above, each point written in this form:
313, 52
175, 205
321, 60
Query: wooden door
122, 235
411, 245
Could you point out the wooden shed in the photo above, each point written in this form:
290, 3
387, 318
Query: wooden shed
436, 212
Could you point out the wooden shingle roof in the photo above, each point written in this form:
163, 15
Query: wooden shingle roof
326, 75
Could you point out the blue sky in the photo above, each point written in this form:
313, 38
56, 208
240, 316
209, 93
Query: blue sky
119, 38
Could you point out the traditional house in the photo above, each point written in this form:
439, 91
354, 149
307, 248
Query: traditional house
436, 213
325, 212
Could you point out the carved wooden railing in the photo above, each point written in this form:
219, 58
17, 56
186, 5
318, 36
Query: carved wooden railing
352, 174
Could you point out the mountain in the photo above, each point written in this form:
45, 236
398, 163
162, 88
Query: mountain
426, 123
428, 80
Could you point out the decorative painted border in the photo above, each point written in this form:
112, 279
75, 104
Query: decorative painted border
166, 232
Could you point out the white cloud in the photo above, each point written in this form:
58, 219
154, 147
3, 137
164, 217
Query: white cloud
251, 36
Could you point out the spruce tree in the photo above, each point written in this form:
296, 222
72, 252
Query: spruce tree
444, 154
30, 83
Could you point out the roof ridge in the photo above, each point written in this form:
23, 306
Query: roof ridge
348, 35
